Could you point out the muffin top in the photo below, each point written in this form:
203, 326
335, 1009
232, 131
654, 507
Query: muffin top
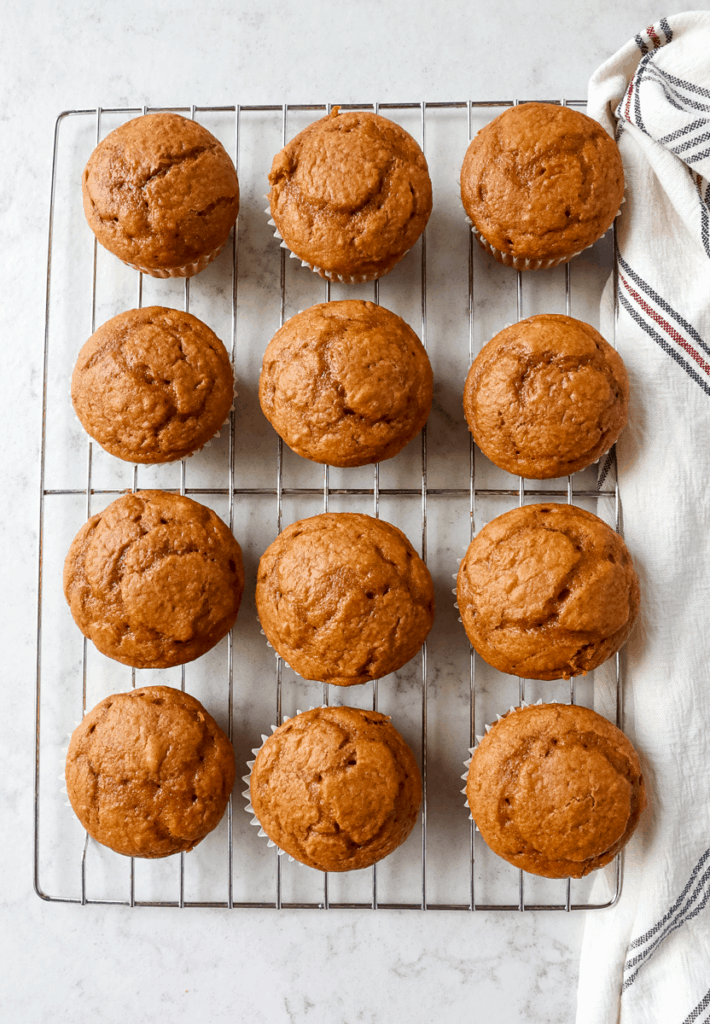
336, 788
547, 591
152, 385
160, 191
546, 397
154, 580
346, 383
149, 772
542, 181
351, 194
555, 789
344, 598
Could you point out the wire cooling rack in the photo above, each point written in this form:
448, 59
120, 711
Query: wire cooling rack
440, 490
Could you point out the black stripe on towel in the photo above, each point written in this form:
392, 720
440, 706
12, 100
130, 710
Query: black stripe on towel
663, 343
656, 74
687, 913
604, 473
652, 931
698, 156
641, 940
682, 84
690, 144
702, 1005
680, 132
665, 306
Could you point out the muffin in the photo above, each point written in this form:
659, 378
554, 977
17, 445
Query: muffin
336, 788
161, 193
546, 397
346, 383
344, 598
540, 183
154, 580
149, 772
152, 385
555, 789
350, 195
547, 591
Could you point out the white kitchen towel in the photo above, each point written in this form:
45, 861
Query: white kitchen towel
648, 959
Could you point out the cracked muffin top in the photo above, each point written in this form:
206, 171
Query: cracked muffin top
555, 789
152, 385
154, 580
346, 383
336, 788
344, 598
350, 194
149, 772
542, 182
547, 592
546, 397
160, 192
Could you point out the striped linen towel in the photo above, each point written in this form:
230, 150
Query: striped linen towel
648, 959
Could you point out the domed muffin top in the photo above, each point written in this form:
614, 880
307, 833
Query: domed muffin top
547, 592
160, 191
351, 194
337, 788
542, 181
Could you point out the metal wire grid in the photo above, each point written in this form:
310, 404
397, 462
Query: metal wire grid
279, 491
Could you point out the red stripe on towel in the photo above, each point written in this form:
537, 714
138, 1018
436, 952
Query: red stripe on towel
670, 330
653, 35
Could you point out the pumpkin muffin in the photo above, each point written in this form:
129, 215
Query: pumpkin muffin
154, 580
547, 592
346, 383
540, 183
161, 193
149, 772
152, 385
546, 397
555, 789
344, 598
336, 788
350, 195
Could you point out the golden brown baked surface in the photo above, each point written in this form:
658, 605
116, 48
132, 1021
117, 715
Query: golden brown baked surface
547, 592
154, 580
160, 191
149, 772
344, 598
351, 193
152, 385
542, 181
346, 383
546, 397
555, 789
336, 788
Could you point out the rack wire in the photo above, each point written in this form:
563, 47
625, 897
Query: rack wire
234, 491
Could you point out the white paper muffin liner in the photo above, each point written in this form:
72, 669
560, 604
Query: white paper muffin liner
517, 262
188, 270
277, 655
486, 729
247, 792
328, 274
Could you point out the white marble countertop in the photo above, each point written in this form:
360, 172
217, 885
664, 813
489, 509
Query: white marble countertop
73, 964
